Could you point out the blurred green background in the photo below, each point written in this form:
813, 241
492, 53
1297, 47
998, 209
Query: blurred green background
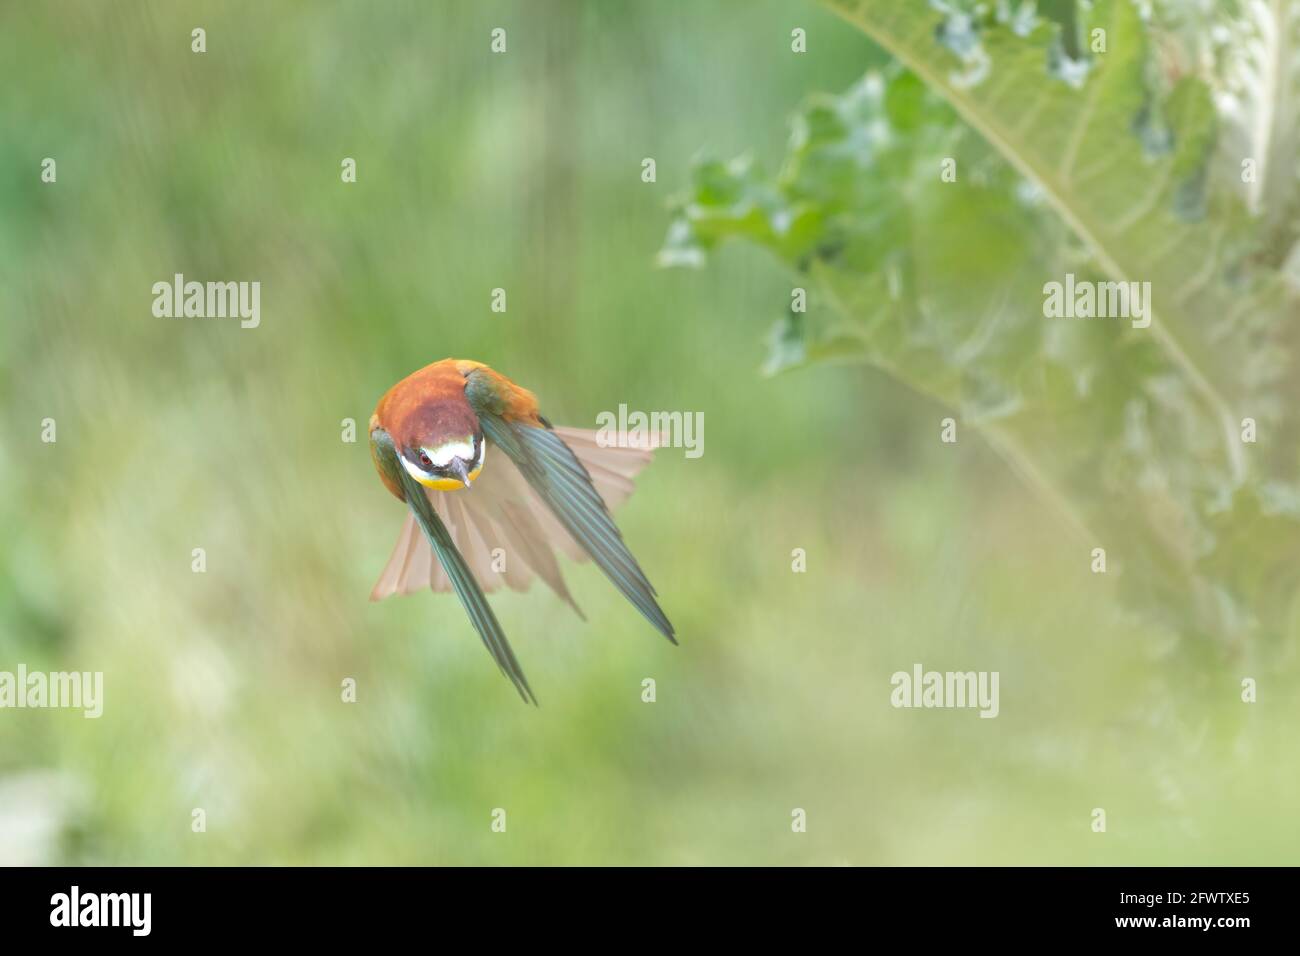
521, 171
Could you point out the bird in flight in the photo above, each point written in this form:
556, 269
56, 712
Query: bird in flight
499, 517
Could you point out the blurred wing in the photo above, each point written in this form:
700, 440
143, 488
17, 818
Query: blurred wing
467, 589
501, 511
558, 478
440, 543
611, 467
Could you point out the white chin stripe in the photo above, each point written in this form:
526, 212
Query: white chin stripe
443, 454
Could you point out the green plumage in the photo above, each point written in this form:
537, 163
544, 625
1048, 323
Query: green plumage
555, 473
462, 579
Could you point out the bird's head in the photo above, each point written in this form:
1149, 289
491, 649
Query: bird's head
444, 449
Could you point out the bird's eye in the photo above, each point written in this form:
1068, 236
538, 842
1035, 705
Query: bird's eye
425, 462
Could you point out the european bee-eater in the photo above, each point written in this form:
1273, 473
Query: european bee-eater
498, 517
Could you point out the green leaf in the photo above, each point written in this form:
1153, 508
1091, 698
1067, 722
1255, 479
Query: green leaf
1100, 168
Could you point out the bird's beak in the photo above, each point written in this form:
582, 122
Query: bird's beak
461, 470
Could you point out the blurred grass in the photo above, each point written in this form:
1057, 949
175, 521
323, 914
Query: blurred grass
520, 171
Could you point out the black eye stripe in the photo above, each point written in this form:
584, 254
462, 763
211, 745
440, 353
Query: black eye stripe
419, 457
